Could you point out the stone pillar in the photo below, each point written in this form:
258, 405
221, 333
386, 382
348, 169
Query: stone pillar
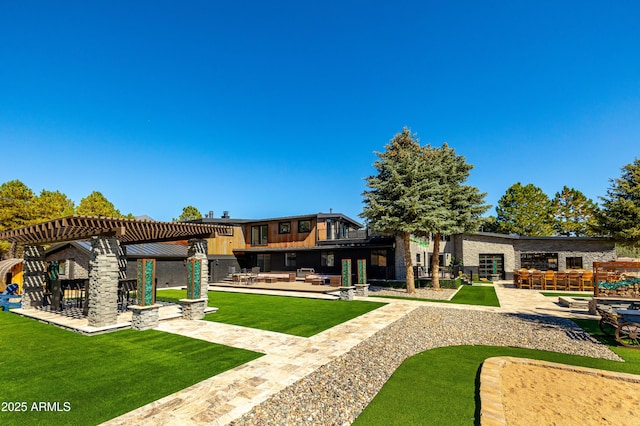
34, 273
145, 314
346, 293
197, 281
198, 250
144, 317
103, 282
362, 287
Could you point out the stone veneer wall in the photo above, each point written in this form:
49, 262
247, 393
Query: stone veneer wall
472, 246
34, 275
103, 281
77, 262
590, 250
425, 249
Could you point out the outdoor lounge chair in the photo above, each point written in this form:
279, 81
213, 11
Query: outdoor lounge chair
9, 296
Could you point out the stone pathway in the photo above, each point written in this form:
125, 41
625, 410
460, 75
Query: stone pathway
223, 398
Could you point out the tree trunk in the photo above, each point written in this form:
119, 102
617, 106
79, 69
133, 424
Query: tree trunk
435, 263
408, 263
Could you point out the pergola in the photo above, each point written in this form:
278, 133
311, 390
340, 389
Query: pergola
107, 235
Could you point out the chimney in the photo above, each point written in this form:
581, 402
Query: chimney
225, 214
210, 214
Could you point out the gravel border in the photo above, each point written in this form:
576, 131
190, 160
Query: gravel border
336, 393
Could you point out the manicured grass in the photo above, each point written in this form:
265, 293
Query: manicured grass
467, 295
441, 386
544, 293
290, 315
100, 377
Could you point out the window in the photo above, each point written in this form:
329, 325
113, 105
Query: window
304, 226
379, 257
284, 228
327, 259
62, 267
540, 261
290, 259
259, 235
264, 262
418, 258
574, 262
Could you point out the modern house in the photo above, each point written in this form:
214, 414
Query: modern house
319, 241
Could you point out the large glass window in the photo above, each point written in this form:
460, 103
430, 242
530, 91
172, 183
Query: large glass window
259, 235
490, 264
264, 262
539, 261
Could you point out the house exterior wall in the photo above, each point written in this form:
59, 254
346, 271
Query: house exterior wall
591, 250
469, 247
277, 240
77, 262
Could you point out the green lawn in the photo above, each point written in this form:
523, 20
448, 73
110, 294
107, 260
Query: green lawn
440, 386
545, 293
467, 295
291, 315
100, 377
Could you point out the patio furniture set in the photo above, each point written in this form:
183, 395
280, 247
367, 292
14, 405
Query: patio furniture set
578, 280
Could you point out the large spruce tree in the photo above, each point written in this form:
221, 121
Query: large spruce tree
419, 191
619, 213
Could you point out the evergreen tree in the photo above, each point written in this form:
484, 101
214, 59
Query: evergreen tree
189, 213
95, 204
418, 190
16, 205
574, 213
52, 205
619, 214
525, 210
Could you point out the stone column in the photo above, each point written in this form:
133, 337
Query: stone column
34, 273
197, 281
198, 250
146, 313
103, 282
362, 287
346, 290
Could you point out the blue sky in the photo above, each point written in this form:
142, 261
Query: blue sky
275, 108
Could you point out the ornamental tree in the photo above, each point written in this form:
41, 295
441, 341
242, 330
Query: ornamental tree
525, 210
419, 191
619, 214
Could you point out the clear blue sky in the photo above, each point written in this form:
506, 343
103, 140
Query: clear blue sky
275, 108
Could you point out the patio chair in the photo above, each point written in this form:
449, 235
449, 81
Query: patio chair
549, 281
586, 281
524, 279
537, 279
573, 281
10, 297
561, 280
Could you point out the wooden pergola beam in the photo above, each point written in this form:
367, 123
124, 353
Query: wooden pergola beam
128, 231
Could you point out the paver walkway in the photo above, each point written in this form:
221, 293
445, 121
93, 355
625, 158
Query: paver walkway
227, 396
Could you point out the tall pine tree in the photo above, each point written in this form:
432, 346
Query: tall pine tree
574, 213
525, 210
